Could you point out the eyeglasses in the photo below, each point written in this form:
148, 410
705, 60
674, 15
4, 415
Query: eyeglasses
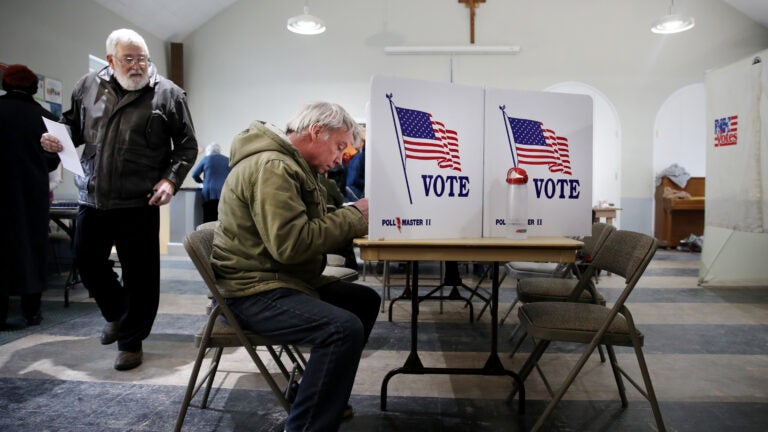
130, 61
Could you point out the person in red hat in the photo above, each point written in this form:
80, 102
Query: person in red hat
25, 180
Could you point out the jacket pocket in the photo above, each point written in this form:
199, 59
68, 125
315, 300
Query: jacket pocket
157, 130
140, 172
310, 195
88, 162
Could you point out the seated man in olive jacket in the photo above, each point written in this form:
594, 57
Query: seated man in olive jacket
269, 254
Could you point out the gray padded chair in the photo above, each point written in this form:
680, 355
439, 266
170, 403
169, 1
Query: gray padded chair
343, 273
625, 254
557, 287
531, 290
216, 334
207, 225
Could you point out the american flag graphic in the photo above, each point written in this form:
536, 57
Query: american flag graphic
726, 131
537, 145
428, 139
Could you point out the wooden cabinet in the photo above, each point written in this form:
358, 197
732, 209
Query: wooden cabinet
676, 219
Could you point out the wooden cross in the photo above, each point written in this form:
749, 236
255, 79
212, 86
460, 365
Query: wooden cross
472, 4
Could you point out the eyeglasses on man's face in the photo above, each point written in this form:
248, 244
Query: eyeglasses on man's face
130, 60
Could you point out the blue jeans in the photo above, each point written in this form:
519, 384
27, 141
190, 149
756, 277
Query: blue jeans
336, 326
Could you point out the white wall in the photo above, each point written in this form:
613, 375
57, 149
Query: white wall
680, 131
54, 38
244, 65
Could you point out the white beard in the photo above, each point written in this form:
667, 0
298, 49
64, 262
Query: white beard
132, 83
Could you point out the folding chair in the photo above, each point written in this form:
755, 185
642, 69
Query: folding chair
556, 286
207, 225
627, 255
216, 334
539, 289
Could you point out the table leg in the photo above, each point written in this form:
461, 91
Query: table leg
453, 280
493, 366
73, 278
413, 363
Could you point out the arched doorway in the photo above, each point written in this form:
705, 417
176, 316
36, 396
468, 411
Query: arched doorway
606, 149
679, 131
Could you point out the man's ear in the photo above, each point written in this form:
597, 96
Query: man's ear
314, 131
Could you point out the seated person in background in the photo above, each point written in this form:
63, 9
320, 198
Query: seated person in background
337, 174
355, 177
333, 196
269, 254
335, 200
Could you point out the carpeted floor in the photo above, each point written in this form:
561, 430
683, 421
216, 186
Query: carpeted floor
707, 349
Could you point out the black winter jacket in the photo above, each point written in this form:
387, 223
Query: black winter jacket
132, 138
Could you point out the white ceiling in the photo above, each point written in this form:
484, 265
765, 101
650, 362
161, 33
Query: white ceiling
174, 20
755, 9
169, 20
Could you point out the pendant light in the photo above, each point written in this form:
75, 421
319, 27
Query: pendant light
306, 24
672, 23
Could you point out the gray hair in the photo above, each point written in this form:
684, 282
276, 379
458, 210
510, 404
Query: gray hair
326, 114
212, 148
124, 36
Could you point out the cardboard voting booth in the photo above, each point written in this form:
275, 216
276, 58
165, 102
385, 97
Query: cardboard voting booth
438, 154
424, 161
549, 135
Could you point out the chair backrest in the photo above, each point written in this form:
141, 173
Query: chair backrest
626, 253
594, 242
199, 245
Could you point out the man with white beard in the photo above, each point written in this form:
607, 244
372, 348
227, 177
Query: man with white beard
139, 145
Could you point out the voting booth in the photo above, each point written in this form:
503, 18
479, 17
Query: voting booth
549, 135
736, 208
438, 155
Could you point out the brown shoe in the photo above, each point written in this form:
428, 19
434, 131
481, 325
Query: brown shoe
348, 413
127, 360
109, 332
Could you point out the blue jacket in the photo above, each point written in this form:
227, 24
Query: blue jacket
356, 177
214, 168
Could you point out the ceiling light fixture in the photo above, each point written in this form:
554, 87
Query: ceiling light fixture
306, 24
672, 23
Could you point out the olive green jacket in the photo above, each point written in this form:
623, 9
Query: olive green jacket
274, 229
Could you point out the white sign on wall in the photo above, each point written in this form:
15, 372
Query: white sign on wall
438, 154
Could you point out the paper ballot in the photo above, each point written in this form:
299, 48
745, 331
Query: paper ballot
69, 158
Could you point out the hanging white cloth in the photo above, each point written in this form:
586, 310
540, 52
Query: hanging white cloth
737, 153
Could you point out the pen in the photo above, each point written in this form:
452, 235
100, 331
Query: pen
349, 190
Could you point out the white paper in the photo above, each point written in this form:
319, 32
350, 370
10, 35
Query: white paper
69, 158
